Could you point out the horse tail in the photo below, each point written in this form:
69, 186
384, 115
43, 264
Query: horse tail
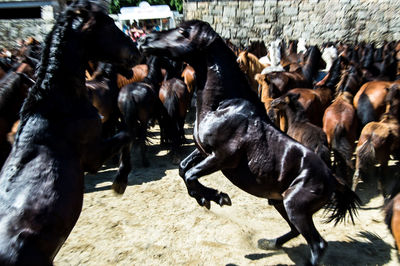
366, 155
129, 114
171, 105
365, 110
323, 152
344, 201
341, 146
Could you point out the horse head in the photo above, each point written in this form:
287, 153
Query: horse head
187, 41
102, 39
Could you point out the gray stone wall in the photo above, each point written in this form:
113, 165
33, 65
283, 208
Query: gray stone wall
317, 21
12, 30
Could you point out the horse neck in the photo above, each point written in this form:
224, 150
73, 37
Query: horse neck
219, 78
293, 117
61, 76
254, 65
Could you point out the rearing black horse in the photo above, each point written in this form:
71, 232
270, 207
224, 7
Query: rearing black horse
59, 137
233, 134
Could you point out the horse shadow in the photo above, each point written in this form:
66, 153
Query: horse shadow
158, 156
368, 189
368, 249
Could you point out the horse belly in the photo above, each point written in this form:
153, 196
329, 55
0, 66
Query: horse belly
256, 186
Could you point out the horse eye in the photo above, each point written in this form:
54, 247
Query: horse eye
183, 32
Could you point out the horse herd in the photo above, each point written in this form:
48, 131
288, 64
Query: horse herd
270, 124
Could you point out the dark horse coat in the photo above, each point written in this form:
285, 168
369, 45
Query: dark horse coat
233, 134
41, 183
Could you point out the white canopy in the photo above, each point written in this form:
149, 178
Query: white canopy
145, 12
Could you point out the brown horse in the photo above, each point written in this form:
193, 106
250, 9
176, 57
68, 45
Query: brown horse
340, 126
299, 127
233, 134
175, 98
370, 100
250, 65
139, 73
281, 82
189, 77
379, 140
59, 137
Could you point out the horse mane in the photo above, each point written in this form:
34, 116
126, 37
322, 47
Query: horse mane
350, 78
154, 75
51, 54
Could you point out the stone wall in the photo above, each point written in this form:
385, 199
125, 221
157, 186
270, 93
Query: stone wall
11, 30
317, 21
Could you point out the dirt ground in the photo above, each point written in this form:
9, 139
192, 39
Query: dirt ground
156, 223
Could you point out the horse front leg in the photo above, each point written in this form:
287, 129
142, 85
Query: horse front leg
121, 179
195, 157
203, 194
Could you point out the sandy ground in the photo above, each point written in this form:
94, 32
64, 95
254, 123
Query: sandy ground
156, 223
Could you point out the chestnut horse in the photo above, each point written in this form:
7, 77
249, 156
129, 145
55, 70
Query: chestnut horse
370, 100
58, 139
250, 65
379, 140
233, 134
281, 82
175, 98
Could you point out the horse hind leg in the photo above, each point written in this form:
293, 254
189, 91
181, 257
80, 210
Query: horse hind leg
203, 194
121, 179
300, 204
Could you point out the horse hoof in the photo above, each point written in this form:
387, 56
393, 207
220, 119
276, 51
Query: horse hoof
224, 199
204, 203
267, 244
118, 188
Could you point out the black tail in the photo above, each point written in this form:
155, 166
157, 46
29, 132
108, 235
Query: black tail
340, 144
365, 156
129, 115
343, 152
344, 201
365, 110
171, 106
388, 210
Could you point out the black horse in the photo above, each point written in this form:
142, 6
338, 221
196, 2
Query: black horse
138, 103
41, 183
233, 134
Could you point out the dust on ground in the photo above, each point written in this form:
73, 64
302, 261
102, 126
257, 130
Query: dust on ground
156, 222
